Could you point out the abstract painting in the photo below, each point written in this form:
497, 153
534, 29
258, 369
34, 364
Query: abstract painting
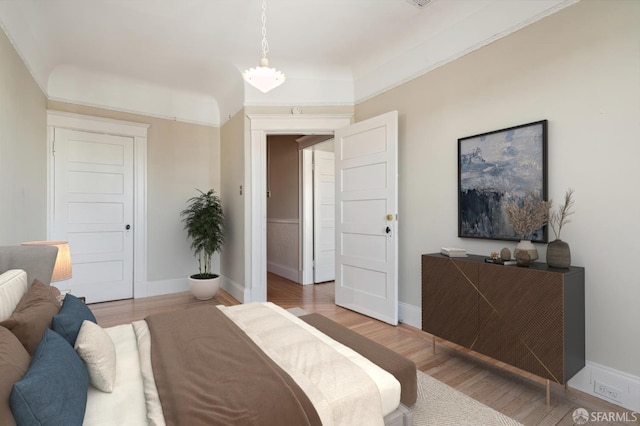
497, 167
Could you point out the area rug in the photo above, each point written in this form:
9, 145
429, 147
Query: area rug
440, 404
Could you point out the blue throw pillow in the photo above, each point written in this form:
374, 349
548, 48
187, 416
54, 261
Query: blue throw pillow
53, 391
68, 321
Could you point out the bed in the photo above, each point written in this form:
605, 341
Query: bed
253, 363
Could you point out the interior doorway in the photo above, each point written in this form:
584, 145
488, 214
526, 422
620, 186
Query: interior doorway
360, 179
300, 221
262, 125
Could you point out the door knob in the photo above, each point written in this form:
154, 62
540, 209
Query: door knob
127, 227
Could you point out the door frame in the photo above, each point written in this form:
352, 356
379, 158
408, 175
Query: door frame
137, 131
255, 224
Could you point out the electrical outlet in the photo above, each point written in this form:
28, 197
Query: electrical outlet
608, 391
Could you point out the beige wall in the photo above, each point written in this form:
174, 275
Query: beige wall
23, 151
232, 148
181, 158
282, 177
580, 69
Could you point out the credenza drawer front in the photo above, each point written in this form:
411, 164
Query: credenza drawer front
521, 316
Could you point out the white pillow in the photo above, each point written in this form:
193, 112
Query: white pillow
13, 285
98, 352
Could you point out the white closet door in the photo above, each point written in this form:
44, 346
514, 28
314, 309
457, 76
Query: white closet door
93, 211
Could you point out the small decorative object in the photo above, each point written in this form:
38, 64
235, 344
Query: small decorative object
453, 251
203, 221
528, 247
505, 254
499, 261
523, 258
558, 251
496, 166
526, 218
494, 255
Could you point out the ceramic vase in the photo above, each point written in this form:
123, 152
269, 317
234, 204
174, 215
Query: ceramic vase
526, 245
558, 254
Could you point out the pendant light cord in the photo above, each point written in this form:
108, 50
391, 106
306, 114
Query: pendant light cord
265, 44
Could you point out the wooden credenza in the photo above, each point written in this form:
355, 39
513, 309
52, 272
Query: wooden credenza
531, 318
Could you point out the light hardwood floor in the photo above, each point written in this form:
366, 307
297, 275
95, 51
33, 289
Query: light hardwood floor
512, 392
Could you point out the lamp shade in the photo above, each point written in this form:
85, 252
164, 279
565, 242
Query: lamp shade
62, 268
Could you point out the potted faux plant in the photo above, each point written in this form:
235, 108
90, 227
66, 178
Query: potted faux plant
558, 251
527, 217
203, 221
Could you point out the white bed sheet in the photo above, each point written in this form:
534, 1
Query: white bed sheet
126, 404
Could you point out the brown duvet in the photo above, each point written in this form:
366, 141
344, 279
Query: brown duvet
208, 372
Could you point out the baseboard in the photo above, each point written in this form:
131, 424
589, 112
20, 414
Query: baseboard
177, 285
410, 315
160, 287
236, 291
284, 271
301, 278
622, 389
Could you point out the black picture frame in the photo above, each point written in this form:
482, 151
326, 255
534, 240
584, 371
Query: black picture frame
494, 168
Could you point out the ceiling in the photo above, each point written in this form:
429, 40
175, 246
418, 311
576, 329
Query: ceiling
183, 58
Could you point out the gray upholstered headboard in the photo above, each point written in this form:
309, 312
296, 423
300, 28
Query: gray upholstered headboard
37, 261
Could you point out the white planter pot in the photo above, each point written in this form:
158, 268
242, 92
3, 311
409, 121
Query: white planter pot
204, 289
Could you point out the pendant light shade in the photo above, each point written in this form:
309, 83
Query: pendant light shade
263, 77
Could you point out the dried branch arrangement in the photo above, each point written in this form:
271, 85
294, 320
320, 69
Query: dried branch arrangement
561, 217
529, 215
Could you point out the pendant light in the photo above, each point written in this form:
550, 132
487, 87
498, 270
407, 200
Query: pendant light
262, 77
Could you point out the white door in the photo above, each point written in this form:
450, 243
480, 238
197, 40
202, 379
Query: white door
93, 211
324, 210
366, 217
